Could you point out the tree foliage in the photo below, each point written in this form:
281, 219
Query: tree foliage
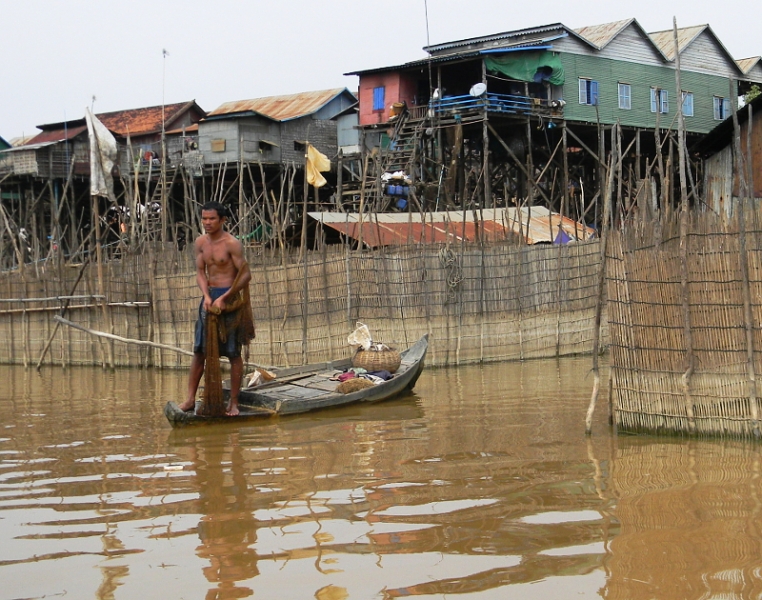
753, 92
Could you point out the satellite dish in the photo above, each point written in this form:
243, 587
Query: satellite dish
478, 89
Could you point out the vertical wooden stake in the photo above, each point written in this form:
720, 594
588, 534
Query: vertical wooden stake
99, 259
604, 234
744, 263
684, 221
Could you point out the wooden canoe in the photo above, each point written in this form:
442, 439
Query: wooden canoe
310, 387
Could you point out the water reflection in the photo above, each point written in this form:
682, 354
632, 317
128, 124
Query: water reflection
480, 485
689, 513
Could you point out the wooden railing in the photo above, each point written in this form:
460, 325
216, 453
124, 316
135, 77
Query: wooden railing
492, 103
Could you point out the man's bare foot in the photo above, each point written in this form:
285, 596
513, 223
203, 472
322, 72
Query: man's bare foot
232, 410
188, 405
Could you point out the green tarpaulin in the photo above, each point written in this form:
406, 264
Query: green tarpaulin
524, 66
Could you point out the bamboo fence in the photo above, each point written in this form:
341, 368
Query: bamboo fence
684, 317
479, 302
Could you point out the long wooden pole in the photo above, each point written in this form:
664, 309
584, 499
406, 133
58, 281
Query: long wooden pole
125, 340
520, 164
99, 259
690, 358
110, 336
604, 234
748, 314
63, 311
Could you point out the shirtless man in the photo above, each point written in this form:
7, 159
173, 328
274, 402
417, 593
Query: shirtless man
219, 258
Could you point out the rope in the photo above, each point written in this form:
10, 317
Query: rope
454, 274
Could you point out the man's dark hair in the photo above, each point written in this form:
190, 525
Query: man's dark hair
222, 210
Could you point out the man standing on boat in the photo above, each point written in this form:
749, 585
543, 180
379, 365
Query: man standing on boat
223, 277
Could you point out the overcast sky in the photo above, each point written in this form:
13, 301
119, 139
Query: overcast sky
58, 54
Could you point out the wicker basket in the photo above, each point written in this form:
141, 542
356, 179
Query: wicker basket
354, 385
371, 360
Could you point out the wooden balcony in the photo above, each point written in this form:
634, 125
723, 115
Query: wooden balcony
498, 104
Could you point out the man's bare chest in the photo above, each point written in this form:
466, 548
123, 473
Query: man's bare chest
216, 254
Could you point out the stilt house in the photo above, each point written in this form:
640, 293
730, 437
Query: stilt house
272, 130
522, 116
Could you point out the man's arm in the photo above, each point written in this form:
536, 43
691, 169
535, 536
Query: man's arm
201, 280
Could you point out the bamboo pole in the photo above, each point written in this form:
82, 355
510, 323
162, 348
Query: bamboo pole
63, 312
751, 192
99, 259
604, 234
19, 254
242, 212
361, 210
744, 263
518, 162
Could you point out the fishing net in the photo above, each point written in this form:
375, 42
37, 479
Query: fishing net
216, 332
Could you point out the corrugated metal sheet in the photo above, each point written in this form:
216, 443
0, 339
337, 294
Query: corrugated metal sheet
718, 181
665, 40
29, 147
21, 140
536, 225
142, 121
448, 46
747, 64
281, 108
601, 35
529, 44
189, 129
55, 135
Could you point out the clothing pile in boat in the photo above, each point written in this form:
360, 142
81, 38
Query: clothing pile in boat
373, 376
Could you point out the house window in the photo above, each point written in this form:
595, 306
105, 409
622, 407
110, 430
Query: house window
625, 96
659, 98
588, 92
688, 104
721, 108
378, 98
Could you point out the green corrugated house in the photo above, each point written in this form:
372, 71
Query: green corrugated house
513, 92
614, 72
610, 72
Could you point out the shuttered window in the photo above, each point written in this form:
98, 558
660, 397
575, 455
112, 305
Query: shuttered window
588, 92
688, 104
659, 98
378, 98
625, 96
721, 108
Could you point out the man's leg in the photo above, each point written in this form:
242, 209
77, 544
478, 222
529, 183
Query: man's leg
236, 374
194, 378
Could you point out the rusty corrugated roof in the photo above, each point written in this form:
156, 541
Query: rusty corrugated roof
536, 225
747, 64
665, 40
22, 139
55, 135
496, 39
281, 108
601, 35
143, 121
189, 129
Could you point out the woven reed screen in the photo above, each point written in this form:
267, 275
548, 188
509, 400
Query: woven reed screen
478, 302
685, 345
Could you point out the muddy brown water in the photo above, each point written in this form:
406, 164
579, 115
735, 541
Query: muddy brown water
481, 484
